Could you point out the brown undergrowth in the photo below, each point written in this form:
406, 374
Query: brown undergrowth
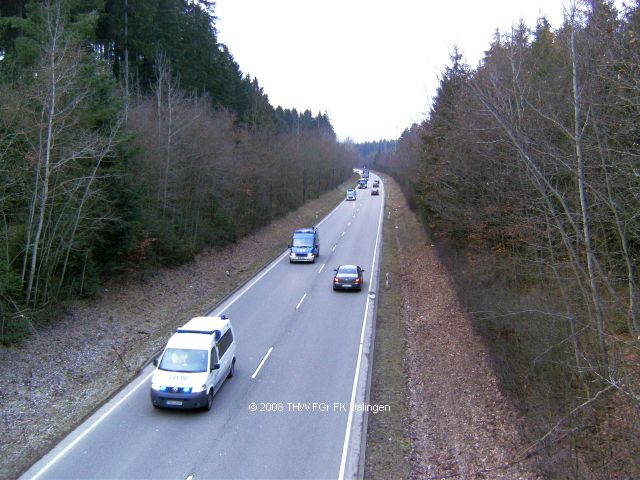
576, 425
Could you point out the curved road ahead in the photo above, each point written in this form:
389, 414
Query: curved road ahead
302, 362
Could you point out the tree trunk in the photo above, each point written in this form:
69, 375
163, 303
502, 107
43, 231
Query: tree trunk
126, 59
50, 117
584, 207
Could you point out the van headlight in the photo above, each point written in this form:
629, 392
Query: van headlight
157, 387
201, 388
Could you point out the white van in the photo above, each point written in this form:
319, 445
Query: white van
197, 360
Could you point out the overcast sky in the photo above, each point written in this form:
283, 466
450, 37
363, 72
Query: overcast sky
372, 65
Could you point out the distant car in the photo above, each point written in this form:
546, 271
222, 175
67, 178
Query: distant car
351, 194
348, 277
376, 183
375, 192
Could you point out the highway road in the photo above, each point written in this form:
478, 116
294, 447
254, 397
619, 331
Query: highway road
302, 363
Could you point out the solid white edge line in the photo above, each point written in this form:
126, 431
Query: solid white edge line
301, 300
264, 359
322, 268
91, 427
354, 389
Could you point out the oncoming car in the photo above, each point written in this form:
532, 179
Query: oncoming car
305, 245
348, 277
351, 194
197, 360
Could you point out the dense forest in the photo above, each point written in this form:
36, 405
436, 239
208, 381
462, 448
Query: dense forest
129, 138
527, 173
371, 152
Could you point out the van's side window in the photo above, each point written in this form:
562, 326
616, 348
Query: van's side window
225, 342
214, 357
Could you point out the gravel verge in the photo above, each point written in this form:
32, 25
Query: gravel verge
389, 445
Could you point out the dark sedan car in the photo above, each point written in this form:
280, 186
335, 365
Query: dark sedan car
375, 191
348, 277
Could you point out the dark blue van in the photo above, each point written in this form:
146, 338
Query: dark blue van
305, 245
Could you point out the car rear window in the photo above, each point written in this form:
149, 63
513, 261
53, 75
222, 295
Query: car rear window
348, 270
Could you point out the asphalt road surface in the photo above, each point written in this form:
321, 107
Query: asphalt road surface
293, 408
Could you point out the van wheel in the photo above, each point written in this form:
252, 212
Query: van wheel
233, 368
209, 403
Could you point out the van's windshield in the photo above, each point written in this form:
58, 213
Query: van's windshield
303, 241
184, 360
